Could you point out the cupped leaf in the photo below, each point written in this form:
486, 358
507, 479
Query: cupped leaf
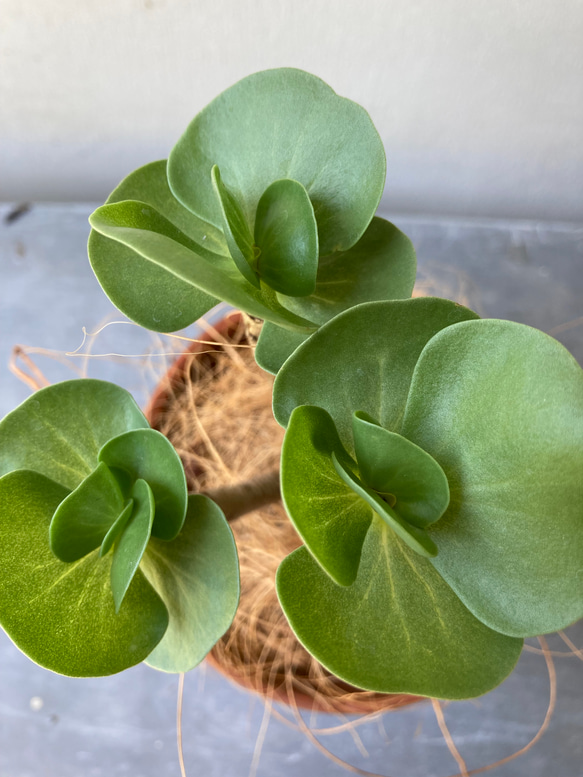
132, 540
62, 616
236, 230
392, 465
286, 234
59, 430
399, 628
500, 406
275, 345
379, 344
327, 514
147, 293
381, 266
116, 528
197, 576
415, 538
159, 241
284, 123
83, 519
147, 454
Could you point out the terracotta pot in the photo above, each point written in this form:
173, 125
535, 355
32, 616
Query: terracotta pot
156, 410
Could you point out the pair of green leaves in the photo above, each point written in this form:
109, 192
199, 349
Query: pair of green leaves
283, 231
99, 568
499, 407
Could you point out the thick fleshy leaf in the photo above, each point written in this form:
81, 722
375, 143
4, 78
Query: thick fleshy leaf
62, 616
132, 541
399, 628
197, 576
380, 343
284, 123
391, 464
147, 454
82, 520
415, 538
327, 514
381, 266
147, 293
116, 528
500, 406
59, 430
158, 240
275, 345
236, 230
286, 234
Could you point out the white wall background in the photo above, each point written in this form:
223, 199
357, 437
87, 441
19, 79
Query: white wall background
479, 102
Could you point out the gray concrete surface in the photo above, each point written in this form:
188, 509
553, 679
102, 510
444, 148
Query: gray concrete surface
124, 726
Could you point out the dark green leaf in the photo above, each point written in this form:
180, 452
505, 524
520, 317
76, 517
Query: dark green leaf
391, 464
147, 454
59, 430
275, 345
116, 528
327, 514
284, 123
287, 235
147, 293
398, 628
62, 616
197, 576
500, 406
131, 543
82, 520
363, 360
236, 230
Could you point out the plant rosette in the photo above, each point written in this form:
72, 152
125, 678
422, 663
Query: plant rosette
432, 466
106, 562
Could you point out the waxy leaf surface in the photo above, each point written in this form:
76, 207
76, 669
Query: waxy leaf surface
146, 292
501, 406
147, 454
399, 628
284, 123
59, 430
197, 576
62, 615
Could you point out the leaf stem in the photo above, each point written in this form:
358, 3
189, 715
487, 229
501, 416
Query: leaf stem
242, 498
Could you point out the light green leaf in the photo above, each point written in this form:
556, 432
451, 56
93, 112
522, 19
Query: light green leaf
236, 230
154, 237
82, 520
62, 616
415, 538
398, 628
147, 293
284, 123
391, 464
327, 514
286, 234
381, 266
147, 454
131, 543
59, 430
379, 343
197, 576
500, 406
116, 528
275, 345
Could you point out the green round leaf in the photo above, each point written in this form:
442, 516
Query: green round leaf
147, 293
398, 628
275, 345
197, 576
59, 430
284, 123
147, 454
287, 235
62, 616
363, 360
500, 406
